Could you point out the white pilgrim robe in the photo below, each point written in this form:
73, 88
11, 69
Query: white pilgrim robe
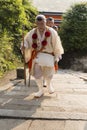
53, 44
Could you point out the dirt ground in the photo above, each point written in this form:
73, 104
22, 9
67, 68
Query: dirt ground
8, 77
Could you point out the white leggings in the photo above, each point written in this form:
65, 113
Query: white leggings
41, 73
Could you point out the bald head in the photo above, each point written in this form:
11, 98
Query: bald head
40, 17
41, 21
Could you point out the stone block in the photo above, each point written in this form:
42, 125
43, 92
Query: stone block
20, 73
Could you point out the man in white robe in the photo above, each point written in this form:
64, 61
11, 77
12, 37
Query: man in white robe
50, 23
46, 45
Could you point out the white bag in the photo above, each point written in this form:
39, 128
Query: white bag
45, 59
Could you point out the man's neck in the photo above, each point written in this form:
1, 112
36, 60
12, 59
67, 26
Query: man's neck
41, 29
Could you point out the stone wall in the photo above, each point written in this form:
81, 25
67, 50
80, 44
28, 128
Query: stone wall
75, 61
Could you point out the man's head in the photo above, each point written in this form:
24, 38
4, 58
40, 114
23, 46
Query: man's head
41, 21
50, 22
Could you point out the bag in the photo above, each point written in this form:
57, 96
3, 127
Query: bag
44, 59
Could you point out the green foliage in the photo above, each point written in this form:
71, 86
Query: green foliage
73, 30
30, 14
7, 58
30, 11
14, 14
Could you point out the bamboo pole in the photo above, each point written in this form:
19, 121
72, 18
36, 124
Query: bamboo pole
24, 57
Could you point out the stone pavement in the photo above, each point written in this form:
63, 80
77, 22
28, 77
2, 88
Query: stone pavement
64, 110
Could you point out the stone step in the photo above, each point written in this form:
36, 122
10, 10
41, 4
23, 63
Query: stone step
22, 114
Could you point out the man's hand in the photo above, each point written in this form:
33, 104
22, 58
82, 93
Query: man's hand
22, 49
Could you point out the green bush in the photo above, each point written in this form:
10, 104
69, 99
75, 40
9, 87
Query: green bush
73, 29
14, 14
7, 57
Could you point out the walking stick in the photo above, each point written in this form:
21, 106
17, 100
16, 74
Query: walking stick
30, 65
29, 79
24, 58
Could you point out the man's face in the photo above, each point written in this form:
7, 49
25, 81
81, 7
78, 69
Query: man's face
41, 23
50, 23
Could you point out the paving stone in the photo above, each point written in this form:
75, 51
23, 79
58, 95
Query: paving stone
68, 102
74, 125
12, 124
47, 125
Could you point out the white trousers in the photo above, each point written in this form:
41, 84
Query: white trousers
42, 72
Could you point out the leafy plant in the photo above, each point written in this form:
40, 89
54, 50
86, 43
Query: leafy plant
14, 14
73, 30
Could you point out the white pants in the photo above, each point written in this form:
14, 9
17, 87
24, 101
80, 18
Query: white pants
42, 72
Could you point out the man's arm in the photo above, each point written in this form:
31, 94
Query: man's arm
57, 46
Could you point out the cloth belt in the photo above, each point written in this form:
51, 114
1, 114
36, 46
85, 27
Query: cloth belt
51, 53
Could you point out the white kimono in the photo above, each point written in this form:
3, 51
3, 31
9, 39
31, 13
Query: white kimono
53, 46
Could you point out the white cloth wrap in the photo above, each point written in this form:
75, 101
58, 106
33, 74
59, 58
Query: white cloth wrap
44, 59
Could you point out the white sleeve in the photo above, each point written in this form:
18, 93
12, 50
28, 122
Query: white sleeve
25, 41
28, 39
57, 45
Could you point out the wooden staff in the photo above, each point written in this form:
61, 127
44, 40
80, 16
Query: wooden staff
33, 55
24, 58
29, 79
